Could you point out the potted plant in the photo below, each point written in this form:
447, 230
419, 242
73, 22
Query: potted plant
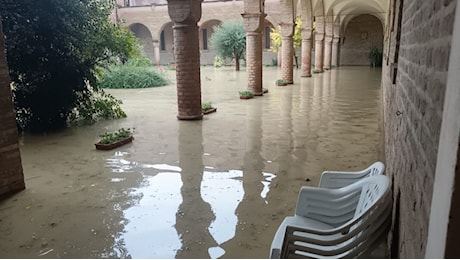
281, 82
207, 108
111, 140
246, 94
265, 90
375, 57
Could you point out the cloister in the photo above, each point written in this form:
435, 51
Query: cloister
420, 75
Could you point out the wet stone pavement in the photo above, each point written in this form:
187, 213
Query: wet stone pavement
215, 188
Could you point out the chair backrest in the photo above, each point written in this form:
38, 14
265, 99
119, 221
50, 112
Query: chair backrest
359, 235
337, 179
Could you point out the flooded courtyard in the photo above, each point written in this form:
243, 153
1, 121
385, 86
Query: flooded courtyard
214, 188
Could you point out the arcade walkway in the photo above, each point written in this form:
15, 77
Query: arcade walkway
218, 187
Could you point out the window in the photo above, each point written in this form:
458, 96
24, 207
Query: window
162, 41
205, 39
267, 37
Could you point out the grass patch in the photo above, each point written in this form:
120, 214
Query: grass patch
131, 76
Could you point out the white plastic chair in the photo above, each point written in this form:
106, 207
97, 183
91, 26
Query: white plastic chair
336, 223
339, 179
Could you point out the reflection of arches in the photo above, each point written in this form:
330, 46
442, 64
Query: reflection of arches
266, 41
141, 32
362, 33
206, 30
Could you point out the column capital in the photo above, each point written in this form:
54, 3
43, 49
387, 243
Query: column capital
287, 29
336, 40
328, 38
253, 21
307, 33
319, 36
188, 11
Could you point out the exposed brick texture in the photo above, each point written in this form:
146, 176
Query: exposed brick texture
187, 55
11, 175
413, 112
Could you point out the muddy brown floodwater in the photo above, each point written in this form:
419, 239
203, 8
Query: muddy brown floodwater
216, 188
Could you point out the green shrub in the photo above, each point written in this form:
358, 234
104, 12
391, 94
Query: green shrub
129, 76
99, 106
206, 106
111, 137
218, 61
246, 93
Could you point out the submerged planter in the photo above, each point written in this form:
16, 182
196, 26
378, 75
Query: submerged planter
281, 83
209, 111
110, 146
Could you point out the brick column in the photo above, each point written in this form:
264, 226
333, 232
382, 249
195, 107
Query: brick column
156, 52
327, 52
319, 37
11, 175
306, 52
253, 25
287, 52
185, 14
335, 52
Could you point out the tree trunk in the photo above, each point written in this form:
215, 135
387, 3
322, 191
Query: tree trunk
237, 61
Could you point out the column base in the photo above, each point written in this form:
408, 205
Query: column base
196, 117
306, 76
259, 94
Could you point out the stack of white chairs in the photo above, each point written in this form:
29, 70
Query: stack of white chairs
347, 216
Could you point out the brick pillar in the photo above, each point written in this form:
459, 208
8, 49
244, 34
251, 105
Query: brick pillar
287, 53
11, 175
306, 52
185, 14
156, 52
319, 37
253, 23
335, 52
327, 52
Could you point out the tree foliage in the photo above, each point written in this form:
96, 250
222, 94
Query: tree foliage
229, 41
275, 36
53, 50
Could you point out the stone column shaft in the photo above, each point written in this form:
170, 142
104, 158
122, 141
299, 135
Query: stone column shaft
185, 15
254, 62
287, 52
335, 52
306, 53
327, 52
319, 53
253, 25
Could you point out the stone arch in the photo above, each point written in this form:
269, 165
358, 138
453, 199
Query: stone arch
141, 32
360, 34
205, 32
166, 43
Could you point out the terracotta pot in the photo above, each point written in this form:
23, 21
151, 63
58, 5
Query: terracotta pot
110, 146
245, 97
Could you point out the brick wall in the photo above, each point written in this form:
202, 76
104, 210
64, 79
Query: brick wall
413, 112
11, 176
362, 33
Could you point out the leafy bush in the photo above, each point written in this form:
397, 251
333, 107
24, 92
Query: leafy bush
246, 93
206, 106
128, 76
218, 61
375, 57
99, 106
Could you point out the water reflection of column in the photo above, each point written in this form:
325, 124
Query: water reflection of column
254, 205
194, 215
